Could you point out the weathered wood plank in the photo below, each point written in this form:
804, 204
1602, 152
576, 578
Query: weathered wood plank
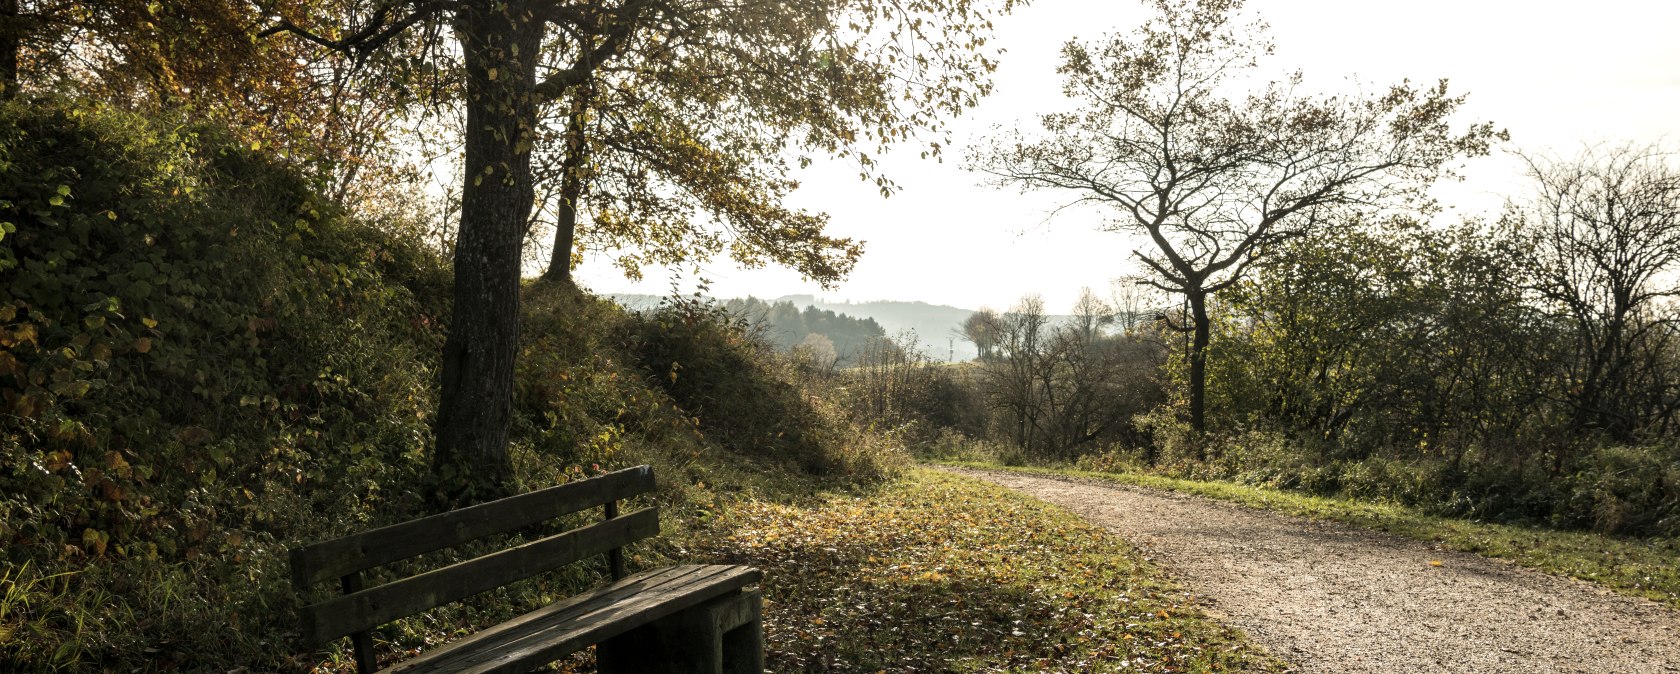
339, 557
556, 630
638, 610
706, 583
548, 618
349, 613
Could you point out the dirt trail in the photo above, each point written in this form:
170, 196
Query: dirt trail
1333, 598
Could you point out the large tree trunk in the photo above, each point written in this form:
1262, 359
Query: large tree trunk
571, 189
1200, 327
499, 48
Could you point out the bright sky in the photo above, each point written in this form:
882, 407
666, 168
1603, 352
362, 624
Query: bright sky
1555, 74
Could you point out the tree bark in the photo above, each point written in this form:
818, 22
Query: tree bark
499, 48
571, 189
1200, 329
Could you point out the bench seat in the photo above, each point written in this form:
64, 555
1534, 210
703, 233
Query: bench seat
679, 620
569, 625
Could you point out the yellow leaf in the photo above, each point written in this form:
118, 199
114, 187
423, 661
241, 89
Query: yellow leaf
143, 345
1434, 562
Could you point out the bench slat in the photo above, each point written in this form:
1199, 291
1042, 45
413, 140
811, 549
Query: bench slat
349, 613
341, 556
448, 656
553, 631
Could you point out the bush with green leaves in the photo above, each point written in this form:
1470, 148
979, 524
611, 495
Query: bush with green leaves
742, 395
204, 363
200, 359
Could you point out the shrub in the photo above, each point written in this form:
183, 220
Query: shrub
1628, 490
200, 360
203, 363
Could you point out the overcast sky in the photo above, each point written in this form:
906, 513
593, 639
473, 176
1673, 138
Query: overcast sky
1555, 74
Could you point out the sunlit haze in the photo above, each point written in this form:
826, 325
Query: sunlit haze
1556, 75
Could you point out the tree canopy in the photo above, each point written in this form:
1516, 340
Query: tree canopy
698, 100
1179, 136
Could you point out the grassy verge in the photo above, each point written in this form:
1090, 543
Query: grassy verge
935, 573
1641, 567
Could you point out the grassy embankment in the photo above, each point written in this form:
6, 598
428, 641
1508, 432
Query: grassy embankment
1641, 567
203, 364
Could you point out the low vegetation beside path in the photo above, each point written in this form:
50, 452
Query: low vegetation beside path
1646, 567
936, 573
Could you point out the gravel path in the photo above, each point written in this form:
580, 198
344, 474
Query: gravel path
1333, 598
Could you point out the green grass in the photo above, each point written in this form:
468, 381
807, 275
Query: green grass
938, 573
1641, 567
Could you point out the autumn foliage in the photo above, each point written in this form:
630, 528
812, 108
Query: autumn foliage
203, 363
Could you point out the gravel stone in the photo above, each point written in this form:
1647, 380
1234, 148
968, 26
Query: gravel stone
1329, 597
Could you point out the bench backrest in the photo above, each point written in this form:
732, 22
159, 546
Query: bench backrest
360, 609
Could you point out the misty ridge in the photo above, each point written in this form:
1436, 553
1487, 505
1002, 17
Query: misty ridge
936, 331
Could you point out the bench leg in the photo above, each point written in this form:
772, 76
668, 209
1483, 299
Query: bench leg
724, 635
743, 635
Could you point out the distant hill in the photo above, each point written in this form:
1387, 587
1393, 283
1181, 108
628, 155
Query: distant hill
934, 325
636, 301
788, 325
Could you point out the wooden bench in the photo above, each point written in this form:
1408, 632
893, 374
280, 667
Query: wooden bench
679, 619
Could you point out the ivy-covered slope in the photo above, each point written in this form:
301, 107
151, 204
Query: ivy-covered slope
203, 363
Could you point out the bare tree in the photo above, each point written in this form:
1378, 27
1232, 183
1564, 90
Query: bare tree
1216, 181
1136, 304
1603, 229
1081, 377
1010, 377
888, 373
1091, 316
1059, 386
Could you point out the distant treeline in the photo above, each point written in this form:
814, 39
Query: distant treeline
828, 337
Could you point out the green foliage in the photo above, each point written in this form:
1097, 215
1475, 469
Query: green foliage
1401, 362
1627, 489
893, 385
203, 364
939, 573
1387, 335
744, 397
198, 358
575, 395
